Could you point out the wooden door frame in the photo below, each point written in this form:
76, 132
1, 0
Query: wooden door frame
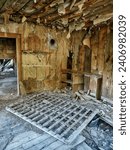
18, 55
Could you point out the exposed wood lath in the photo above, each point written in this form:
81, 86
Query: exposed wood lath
71, 14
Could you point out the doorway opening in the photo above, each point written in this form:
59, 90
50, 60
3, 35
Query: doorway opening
8, 67
69, 66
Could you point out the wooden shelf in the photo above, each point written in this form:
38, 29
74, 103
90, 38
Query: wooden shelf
71, 82
67, 81
80, 73
98, 78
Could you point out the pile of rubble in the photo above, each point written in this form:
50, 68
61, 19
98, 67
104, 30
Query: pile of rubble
104, 105
99, 135
99, 132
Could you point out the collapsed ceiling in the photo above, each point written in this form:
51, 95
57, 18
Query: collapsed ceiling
61, 14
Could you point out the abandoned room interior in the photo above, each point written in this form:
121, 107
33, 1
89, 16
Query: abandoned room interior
56, 75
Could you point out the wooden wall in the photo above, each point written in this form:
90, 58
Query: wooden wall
41, 62
102, 58
78, 58
98, 57
7, 48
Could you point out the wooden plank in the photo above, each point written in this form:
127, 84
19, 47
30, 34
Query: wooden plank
27, 137
100, 54
110, 122
10, 35
94, 47
2, 3
7, 4
65, 124
83, 146
80, 147
54, 116
72, 82
76, 142
24, 5
87, 62
103, 58
27, 134
75, 122
99, 89
86, 147
108, 67
62, 112
18, 4
81, 58
42, 144
64, 71
84, 124
53, 145
36, 141
67, 81
87, 67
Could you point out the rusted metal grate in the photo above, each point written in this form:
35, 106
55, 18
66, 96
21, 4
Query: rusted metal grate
62, 118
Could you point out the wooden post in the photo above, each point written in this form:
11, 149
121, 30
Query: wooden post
87, 62
99, 88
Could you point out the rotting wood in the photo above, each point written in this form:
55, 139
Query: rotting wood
90, 75
83, 18
48, 110
81, 73
49, 12
99, 89
101, 46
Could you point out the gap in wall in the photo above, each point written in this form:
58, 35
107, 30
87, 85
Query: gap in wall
69, 66
8, 67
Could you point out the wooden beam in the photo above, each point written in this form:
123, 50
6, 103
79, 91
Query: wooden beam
9, 35
46, 13
37, 12
104, 10
87, 74
2, 3
23, 6
8, 6
57, 17
18, 5
99, 89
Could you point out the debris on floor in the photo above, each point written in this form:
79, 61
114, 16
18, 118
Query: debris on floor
60, 117
104, 105
16, 134
97, 134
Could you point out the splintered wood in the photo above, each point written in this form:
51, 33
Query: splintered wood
59, 116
